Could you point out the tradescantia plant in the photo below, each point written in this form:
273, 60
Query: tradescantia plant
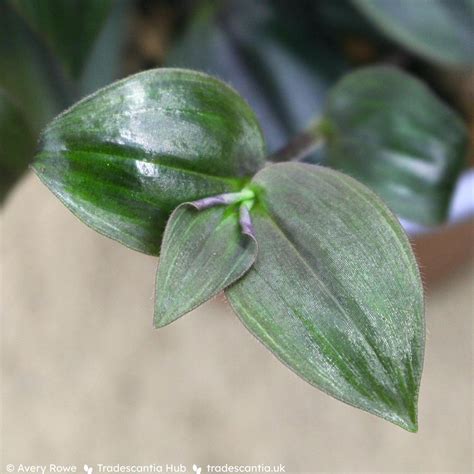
172, 162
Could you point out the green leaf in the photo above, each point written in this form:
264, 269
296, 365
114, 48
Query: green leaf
388, 130
69, 27
335, 292
29, 96
33, 78
123, 158
26, 72
439, 30
203, 252
16, 145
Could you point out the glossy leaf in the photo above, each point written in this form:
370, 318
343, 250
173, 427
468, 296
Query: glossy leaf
335, 291
69, 27
203, 252
16, 144
439, 30
123, 158
388, 130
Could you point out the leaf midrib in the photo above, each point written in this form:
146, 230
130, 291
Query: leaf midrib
236, 182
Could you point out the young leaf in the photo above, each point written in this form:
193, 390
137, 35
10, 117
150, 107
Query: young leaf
390, 132
203, 252
335, 292
123, 158
439, 30
70, 27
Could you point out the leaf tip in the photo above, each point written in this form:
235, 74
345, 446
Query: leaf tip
408, 424
405, 416
162, 316
159, 323
410, 419
167, 311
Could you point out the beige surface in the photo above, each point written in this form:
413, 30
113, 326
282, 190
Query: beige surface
87, 380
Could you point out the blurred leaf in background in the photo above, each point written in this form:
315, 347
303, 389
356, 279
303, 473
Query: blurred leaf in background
39, 47
278, 62
104, 63
27, 74
438, 30
69, 27
388, 130
17, 140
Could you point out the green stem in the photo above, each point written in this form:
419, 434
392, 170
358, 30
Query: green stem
302, 144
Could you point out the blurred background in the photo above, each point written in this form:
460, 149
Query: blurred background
85, 378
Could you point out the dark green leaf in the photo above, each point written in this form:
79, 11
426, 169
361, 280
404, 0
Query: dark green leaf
26, 72
123, 158
335, 291
203, 252
440, 30
31, 76
16, 144
28, 93
389, 131
69, 27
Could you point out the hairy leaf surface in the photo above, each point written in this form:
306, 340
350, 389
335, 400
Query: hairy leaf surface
335, 291
123, 158
203, 252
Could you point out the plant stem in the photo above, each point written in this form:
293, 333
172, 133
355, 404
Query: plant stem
245, 220
223, 199
301, 145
